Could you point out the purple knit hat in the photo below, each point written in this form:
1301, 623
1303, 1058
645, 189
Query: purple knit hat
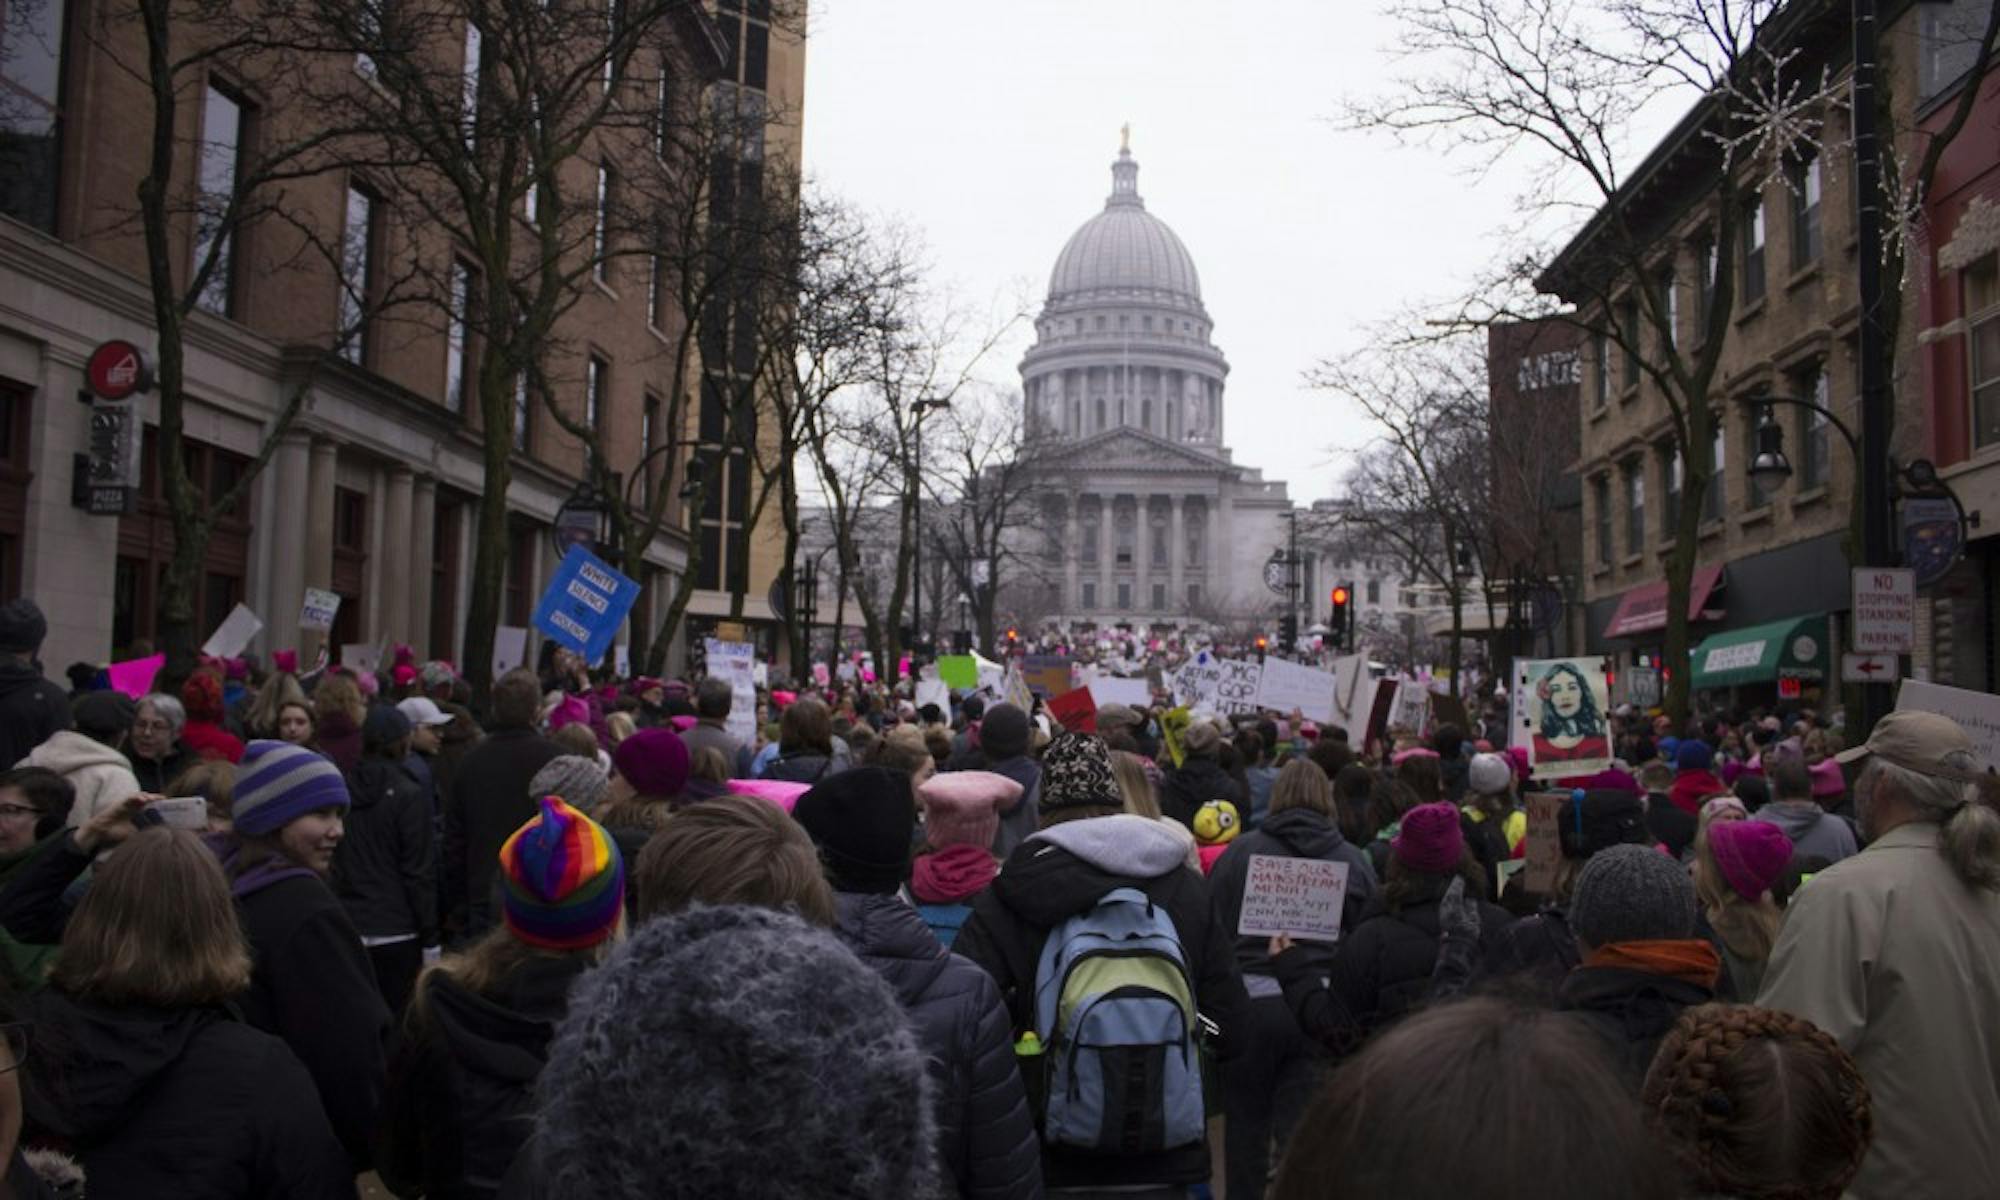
653, 761
278, 782
1752, 855
1430, 838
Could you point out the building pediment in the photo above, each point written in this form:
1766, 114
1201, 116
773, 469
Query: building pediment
1127, 449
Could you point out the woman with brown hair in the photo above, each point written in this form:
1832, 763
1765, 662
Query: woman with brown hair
139, 1064
805, 744
260, 720
337, 714
733, 850
1759, 1105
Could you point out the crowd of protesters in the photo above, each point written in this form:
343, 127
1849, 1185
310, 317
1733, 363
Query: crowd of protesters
272, 932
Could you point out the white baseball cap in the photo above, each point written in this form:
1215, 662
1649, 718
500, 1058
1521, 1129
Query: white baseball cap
422, 710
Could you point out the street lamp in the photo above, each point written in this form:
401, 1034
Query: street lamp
1768, 464
921, 406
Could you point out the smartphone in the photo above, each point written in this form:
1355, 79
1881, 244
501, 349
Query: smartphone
181, 812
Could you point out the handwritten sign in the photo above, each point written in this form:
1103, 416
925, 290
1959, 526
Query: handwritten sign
1076, 709
1412, 709
233, 634
959, 671
1543, 845
1110, 689
1046, 674
319, 610
736, 662
1220, 685
1297, 896
1285, 686
1978, 713
585, 604
510, 648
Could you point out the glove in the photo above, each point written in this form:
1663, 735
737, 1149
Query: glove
1458, 914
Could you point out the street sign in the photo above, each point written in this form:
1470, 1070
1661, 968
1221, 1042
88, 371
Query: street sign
117, 370
1868, 668
585, 604
1885, 610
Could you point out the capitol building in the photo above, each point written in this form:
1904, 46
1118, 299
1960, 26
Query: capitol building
1150, 523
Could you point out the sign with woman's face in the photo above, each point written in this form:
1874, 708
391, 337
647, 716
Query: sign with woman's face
1561, 716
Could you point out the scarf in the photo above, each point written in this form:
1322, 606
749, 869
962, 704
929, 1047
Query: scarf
952, 874
1690, 960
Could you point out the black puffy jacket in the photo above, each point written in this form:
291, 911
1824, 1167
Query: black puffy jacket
384, 870
1184, 789
1631, 1010
31, 708
1294, 833
178, 1102
1381, 972
986, 1136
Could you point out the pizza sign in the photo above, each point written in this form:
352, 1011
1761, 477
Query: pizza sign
117, 370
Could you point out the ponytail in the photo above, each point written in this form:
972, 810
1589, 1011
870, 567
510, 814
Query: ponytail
1969, 839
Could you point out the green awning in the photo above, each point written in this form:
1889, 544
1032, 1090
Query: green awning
1791, 649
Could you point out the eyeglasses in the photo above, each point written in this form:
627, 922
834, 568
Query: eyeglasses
19, 810
14, 1039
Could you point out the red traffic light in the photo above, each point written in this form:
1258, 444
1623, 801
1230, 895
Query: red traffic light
1339, 596
1260, 642
1013, 635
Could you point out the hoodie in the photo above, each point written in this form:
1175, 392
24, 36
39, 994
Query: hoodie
384, 870
985, 1135
461, 1095
172, 1103
1293, 833
1194, 783
31, 708
1813, 830
101, 776
1064, 870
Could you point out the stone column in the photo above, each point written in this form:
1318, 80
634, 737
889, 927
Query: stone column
1212, 568
1107, 549
393, 556
1176, 557
1142, 553
279, 511
318, 534
1072, 600
1222, 559
423, 551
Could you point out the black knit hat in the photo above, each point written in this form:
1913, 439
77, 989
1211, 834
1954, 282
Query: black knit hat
861, 820
1597, 819
1003, 733
23, 628
103, 715
1076, 773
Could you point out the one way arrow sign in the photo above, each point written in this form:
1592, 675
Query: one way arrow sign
1868, 668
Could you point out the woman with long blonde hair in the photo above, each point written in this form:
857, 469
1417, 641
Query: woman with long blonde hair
1735, 867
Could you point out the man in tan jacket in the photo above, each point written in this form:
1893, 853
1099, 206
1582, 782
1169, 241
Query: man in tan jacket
1895, 952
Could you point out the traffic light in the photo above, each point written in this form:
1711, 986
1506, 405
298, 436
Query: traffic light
1013, 640
1288, 633
1262, 644
1342, 622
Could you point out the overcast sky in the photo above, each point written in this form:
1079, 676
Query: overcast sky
992, 127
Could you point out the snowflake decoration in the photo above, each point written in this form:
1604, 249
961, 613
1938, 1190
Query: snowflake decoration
1779, 120
1902, 212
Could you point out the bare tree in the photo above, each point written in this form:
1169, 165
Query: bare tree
984, 528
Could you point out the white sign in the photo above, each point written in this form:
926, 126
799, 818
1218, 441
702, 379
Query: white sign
1885, 610
1353, 697
1220, 685
737, 663
510, 648
319, 610
621, 660
1412, 707
233, 634
1287, 685
1297, 896
1110, 689
361, 657
1734, 658
1868, 668
1978, 713
934, 691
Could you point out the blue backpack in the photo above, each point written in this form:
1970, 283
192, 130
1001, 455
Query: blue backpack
1115, 1012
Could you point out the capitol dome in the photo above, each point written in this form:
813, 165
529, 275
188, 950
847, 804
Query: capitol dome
1125, 255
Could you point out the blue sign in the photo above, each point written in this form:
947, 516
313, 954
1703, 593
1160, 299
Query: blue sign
585, 604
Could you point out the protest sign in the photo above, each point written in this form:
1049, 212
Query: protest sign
621, 660
319, 610
1110, 689
1297, 896
1412, 707
1565, 701
1173, 726
991, 674
1285, 686
821, 675
959, 671
1543, 844
1220, 685
934, 691
233, 634
1014, 690
1046, 674
363, 658
1978, 713
1076, 709
510, 648
1379, 710
1353, 697
1448, 709
134, 676
736, 662
585, 604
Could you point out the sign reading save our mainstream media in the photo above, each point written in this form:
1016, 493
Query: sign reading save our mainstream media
585, 604
1297, 896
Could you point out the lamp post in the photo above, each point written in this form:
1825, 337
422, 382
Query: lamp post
922, 405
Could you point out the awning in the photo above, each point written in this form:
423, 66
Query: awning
1644, 609
1791, 649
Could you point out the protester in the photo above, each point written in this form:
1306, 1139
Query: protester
205, 732
648, 776
1734, 874
214, 781
1633, 912
1891, 953
260, 717
805, 744
1795, 807
31, 707
1004, 736
1259, 776
1758, 1105
839, 1102
489, 800
1266, 1088
579, 781
1088, 863
1199, 778
338, 710
427, 723
155, 752
1544, 945
385, 868
298, 725
1670, 826
954, 862
714, 698
88, 757
1694, 781
862, 821
481, 1019
34, 807
141, 1067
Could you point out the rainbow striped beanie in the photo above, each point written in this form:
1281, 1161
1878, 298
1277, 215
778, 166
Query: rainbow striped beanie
562, 880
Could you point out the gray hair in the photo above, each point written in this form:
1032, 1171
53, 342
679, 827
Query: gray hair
168, 709
1968, 823
713, 697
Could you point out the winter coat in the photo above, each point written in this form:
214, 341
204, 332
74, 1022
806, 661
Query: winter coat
1259, 781
1380, 973
1194, 783
803, 766
189, 1102
1631, 1010
986, 1137
1691, 787
101, 776
1669, 826
1813, 830
206, 740
339, 739
25, 963
154, 774
1294, 833
488, 801
711, 735
1064, 871
1541, 949
461, 1094
31, 709
383, 869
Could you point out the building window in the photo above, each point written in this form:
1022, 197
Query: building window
1600, 361
1124, 597
1628, 331
1146, 414
1753, 249
663, 110
655, 316
597, 380
614, 25
649, 419
1670, 299
458, 345
1705, 255
31, 62
521, 413
1635, 506
1159, 597
1804, 181
1671, 472
1100, 414
1600, 497
600, 234
1374, 591
221, 166
1713, 499
469, 75
1194, 595
1088, 594
1815, 452
1982, 307
357, 269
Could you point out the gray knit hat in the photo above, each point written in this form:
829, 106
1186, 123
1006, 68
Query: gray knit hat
1632, 894
646, 1093
578, 780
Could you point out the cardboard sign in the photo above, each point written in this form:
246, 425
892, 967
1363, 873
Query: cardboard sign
1014, 690
363, 658
319, 610
134, 676
934, 691
510, 648
1046, 674
585, 604
233, 634
1076, 709
959, 671
1543, 845
1412, 709
1285, 686
1219, 685
1110, 689
1297, 896
1353, 697
1379, 709
1978, 713
737, 663
1564, 704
